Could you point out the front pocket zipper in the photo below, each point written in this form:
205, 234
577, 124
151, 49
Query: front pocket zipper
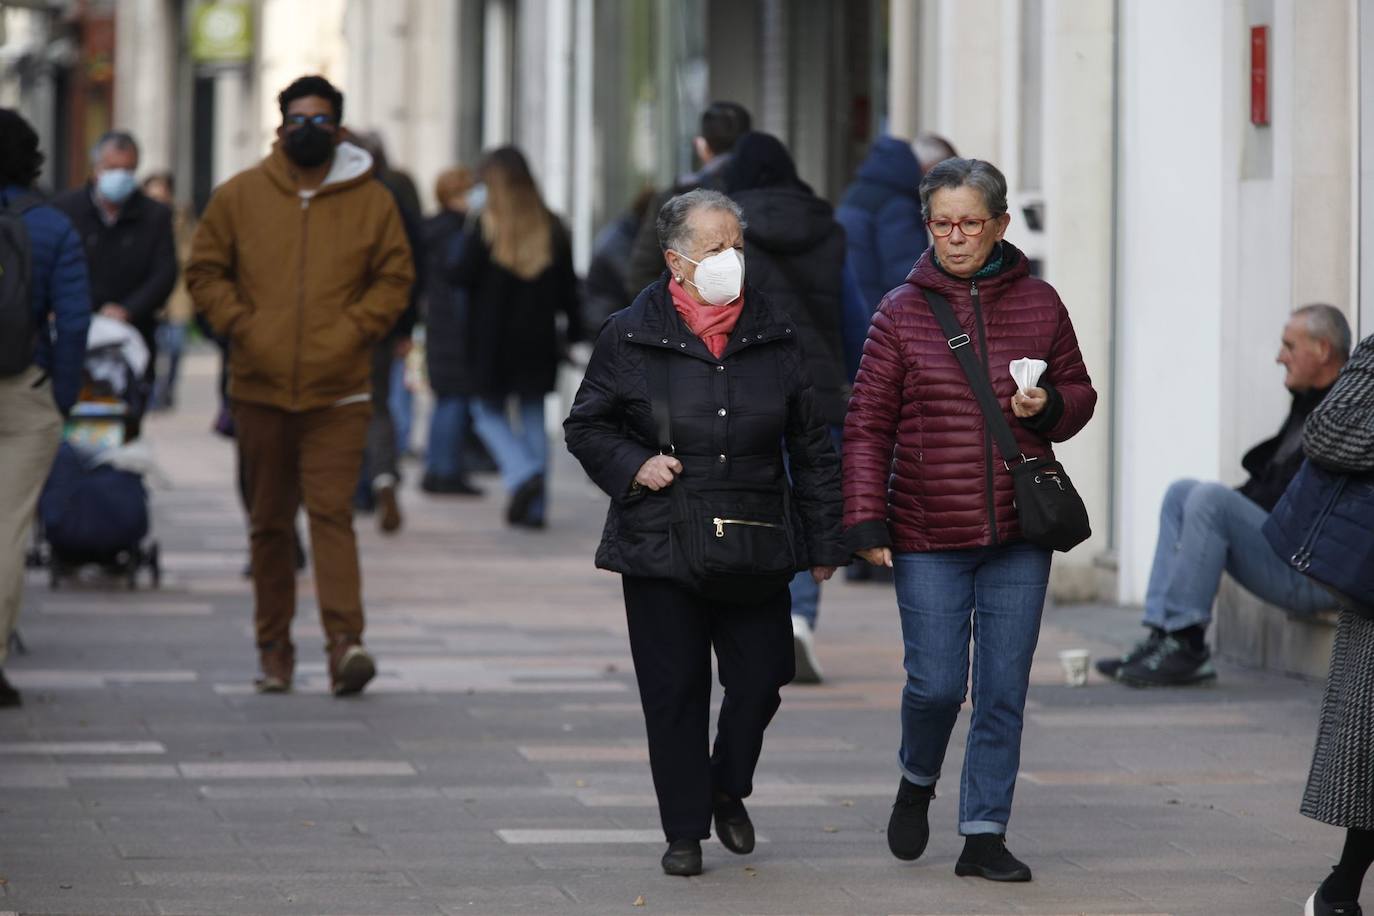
720, 524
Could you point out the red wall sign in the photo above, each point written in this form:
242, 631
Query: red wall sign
1259, 75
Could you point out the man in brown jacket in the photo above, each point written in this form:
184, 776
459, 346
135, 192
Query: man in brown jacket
301, 264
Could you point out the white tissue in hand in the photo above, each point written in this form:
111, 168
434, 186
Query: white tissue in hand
1027, 372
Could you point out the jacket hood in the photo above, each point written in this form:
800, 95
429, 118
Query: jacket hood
891, 162
785, 221
352, 166
928, 273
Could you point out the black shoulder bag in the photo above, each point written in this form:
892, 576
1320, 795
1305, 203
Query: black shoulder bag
730, 541
1051, 511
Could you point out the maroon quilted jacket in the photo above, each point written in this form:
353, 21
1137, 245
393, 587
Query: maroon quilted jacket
921, 472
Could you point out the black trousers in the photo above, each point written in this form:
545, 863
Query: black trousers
672, 632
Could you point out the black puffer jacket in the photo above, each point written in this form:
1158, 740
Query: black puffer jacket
731, 417
446, 310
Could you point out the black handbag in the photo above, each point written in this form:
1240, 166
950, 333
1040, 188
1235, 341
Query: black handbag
1051, 511
730, 541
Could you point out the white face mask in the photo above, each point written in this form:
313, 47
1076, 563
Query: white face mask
720, 277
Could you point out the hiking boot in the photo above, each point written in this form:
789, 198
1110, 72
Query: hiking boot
9, 697
388, 509
986, 855
733, 827
350, 667
908, 828
804, 648
683, 858
1171, 664
1111, 666
278, 663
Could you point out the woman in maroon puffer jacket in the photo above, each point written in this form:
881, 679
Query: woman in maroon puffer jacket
926, 493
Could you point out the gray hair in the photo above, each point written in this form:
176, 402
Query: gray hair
673, 229
931, 150
972, 173
1328, 323
121, 140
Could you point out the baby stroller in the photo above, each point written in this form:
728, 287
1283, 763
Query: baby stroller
94, 505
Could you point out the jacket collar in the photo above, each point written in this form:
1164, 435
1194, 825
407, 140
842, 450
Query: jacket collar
653, 321
929, 274
352, 166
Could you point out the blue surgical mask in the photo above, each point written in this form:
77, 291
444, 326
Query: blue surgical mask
116, 185
477, 197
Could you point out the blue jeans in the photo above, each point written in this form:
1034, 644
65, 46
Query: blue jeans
994, 595
402, 402
522, 451
806, 591
445, 456
1205, 528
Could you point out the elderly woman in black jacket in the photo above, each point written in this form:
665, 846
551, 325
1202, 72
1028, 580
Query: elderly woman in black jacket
689, 400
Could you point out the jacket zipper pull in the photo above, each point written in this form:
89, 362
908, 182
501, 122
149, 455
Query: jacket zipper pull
720, 526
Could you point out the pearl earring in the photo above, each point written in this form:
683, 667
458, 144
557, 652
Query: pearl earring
678, 278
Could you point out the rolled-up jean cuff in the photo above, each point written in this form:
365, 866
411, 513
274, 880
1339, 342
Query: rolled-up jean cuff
1181, 620
918, 780
981, 828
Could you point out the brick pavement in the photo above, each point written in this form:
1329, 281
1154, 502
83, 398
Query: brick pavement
498, 765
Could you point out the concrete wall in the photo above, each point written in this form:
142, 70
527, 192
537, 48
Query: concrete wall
146, 88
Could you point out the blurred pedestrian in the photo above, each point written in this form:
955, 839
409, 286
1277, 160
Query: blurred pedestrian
379, 484
926, 493
177, 315
516, 268
302, 263
796, 255
721, 125
607, 286
1339, 437
45, 310
446, 317
130, 244
686, 426
931, 150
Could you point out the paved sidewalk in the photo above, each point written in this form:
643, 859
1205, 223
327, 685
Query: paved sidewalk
498, 762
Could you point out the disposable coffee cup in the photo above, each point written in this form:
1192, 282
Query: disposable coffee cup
1075, 662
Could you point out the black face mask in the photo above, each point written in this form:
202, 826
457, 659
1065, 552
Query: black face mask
308, 145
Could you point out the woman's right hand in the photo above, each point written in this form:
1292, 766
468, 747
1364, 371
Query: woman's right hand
877, 556
658, 472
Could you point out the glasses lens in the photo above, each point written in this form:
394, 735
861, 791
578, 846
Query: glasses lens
319, 120
940, 227
971, 226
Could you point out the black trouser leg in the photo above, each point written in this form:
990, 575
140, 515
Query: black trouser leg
1344, 882
670, 640
671, 635
754, 657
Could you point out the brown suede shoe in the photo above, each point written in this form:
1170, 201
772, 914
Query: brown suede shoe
278, 663
388, 510
350, 666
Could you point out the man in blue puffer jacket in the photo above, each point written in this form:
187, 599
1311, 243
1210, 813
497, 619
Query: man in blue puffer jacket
33, 402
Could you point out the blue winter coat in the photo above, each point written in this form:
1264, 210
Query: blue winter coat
881, 215
61, 296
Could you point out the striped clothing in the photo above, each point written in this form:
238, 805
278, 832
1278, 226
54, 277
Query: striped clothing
1340, 432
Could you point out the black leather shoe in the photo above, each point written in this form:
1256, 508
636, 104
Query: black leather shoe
8, 695
908, 828
733, 827
986, 855
523, 499
683, 858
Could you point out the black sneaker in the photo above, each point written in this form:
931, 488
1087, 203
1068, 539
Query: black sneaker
522, 501
682, 858
1171, 664
908, 828
1317, 905
1112, 666
986, 855
9, 697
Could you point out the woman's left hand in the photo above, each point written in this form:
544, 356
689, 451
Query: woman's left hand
822, 573
1029, 404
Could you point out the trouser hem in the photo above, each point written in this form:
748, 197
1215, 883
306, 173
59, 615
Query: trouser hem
981, 828
917, 780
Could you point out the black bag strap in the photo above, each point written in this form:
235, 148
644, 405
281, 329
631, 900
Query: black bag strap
656, 371
977, 376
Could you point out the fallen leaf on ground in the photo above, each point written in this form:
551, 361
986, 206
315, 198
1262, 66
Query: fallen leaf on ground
640, 901
831, 829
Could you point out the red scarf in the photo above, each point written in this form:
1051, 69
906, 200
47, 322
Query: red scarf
712, 323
